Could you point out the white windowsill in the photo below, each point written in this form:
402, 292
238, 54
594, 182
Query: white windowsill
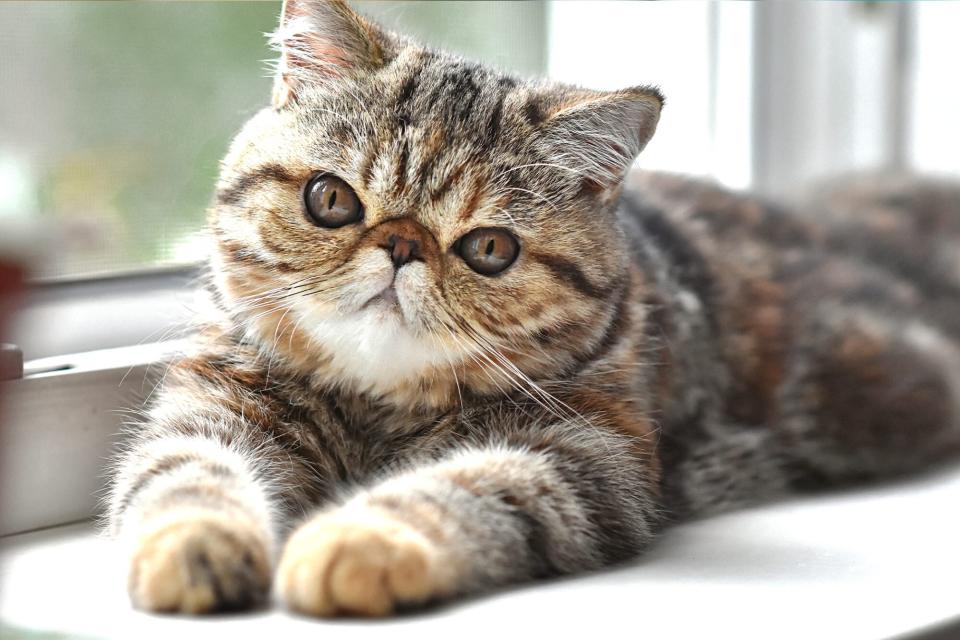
877, 563
60, 423
76, 316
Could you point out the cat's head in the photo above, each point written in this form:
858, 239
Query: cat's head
403, 221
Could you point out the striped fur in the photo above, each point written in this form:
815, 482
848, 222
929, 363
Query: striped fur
660, 349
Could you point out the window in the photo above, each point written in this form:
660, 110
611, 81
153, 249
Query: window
112, 127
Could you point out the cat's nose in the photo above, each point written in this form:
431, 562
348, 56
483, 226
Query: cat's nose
402, 250
405, 240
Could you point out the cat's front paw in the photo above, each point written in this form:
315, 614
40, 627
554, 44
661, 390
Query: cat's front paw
360, 563
199, 563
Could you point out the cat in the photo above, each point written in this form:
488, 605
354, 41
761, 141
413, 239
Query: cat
455, 345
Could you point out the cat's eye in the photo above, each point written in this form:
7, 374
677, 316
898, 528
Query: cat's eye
488, 251
331, 202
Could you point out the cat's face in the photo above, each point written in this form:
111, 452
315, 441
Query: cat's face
401, 217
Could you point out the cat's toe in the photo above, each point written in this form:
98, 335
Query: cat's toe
199, 564
368, 566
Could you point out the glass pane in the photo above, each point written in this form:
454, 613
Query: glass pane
113, 119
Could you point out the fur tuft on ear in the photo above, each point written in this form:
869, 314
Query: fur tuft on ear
599, 133
322, 39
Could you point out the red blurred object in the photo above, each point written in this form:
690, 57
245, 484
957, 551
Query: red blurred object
11, 286
12, 276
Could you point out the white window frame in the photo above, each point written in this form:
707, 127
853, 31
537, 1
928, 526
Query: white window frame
66, 316
830, 90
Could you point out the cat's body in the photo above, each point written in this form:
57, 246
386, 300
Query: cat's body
646, 354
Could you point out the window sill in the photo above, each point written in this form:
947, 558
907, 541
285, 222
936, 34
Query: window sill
60, 423
879, 563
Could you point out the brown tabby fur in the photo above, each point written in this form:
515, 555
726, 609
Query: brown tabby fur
657, 351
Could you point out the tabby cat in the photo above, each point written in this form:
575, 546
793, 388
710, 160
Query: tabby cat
453, 347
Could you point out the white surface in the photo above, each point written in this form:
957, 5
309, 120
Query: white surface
868, 564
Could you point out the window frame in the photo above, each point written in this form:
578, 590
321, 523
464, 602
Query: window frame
105, 312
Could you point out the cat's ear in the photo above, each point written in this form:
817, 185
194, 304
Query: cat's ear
597, 133
319, 40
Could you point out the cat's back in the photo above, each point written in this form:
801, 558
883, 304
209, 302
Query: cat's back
745, 288
904, 229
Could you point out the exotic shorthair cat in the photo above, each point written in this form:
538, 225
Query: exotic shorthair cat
454, 348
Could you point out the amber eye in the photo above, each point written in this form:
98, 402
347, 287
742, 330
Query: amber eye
488, 251
331, 202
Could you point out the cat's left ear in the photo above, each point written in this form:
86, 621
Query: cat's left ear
598, 133
322, 39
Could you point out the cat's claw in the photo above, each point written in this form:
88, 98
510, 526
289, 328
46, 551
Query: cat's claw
358, 564
199, 564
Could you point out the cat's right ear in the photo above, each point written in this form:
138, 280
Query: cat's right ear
596, 133
319, 40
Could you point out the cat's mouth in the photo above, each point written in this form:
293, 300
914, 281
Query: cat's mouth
395, 302
386, 300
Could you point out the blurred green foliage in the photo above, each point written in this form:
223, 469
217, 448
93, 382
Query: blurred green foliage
123, 114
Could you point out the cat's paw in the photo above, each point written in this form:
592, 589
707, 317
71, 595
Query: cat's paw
199, 563
359, 563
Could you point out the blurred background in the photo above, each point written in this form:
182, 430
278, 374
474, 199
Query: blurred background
114, 115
